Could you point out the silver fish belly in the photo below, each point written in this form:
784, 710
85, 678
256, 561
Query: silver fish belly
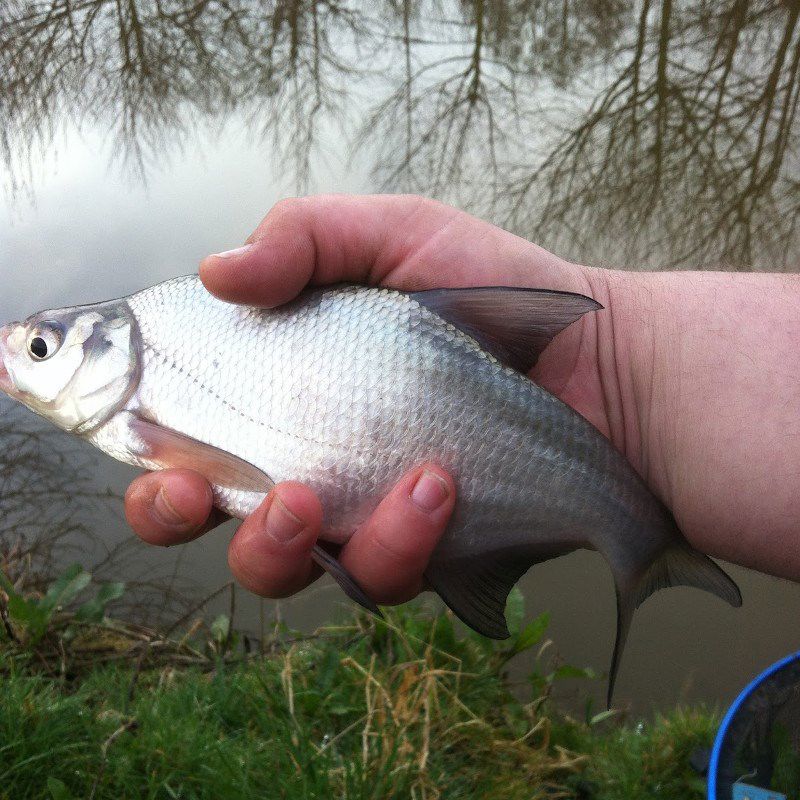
347, 388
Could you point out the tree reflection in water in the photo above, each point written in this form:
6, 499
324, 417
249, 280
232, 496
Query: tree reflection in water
656, 133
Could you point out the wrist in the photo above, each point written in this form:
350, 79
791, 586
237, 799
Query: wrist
591, 366
697, 371
634, 341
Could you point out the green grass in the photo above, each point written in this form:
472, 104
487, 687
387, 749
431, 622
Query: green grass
408, 708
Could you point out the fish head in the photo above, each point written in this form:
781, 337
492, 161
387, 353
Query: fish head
74, 366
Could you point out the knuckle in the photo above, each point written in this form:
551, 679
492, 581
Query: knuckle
414, 203
140, 489
399, 595
431, 205
289, 207
249, 577
399, 590
400, 549
132, 495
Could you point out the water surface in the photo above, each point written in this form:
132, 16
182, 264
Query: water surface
138, 136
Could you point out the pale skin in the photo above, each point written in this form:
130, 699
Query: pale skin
693, 376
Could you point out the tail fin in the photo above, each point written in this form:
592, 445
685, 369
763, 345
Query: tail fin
476, 588
677, 566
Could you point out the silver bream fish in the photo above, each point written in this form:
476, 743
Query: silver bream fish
345, 389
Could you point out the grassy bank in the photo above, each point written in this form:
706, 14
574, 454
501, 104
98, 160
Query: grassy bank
409, 707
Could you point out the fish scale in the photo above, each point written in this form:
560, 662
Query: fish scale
342, 393
347, 388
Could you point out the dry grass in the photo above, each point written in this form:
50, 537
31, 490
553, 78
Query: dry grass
410, 707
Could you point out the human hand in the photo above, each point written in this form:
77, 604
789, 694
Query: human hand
690, 375
403, 242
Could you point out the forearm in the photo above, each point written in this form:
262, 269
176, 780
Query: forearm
701, 381
692, 376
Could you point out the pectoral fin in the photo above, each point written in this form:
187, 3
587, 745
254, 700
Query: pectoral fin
169, 449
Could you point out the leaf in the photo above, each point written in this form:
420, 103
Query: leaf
6, 585
110, 591
602, 716
58, 789
94, 610
532, 633
220, 628
444, 633
65, 589
568, 671
341, 709
538, 684
327, 670
28, 615
515, 610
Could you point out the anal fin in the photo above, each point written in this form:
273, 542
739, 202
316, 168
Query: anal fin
476, 588
683, 566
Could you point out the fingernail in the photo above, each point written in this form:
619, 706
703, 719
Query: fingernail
282, 525
238, 251
430, 491
164, 510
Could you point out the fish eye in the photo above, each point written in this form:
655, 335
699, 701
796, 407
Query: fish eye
45, 341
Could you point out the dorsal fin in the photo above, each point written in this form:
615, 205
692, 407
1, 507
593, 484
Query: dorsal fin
515, 325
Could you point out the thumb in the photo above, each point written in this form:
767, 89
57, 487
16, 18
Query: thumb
319, 240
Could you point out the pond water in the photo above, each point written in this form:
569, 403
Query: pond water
136, 136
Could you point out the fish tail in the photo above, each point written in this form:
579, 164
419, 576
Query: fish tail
678, 565
476, 589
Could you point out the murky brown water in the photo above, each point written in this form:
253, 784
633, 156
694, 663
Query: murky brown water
136, 137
